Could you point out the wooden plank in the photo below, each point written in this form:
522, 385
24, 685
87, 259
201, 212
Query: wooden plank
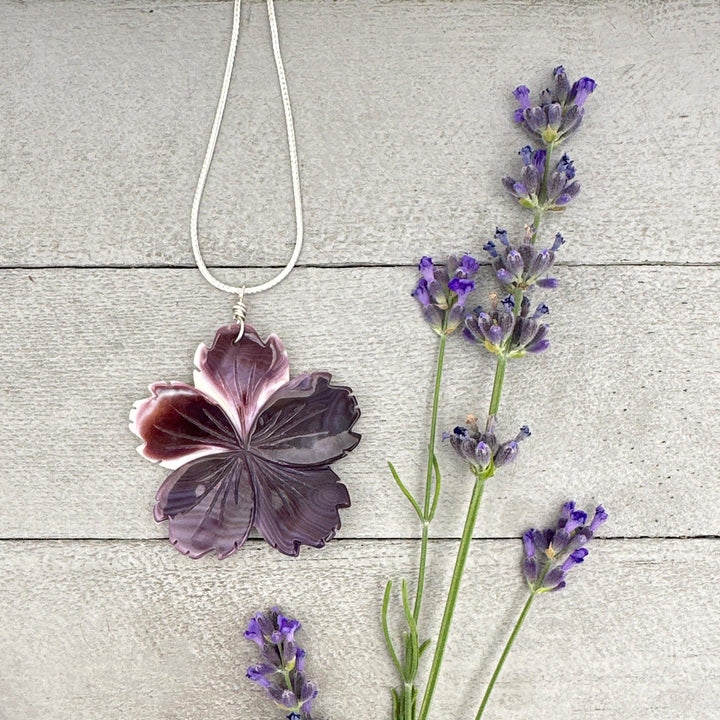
106, 631
620, 407
403, 118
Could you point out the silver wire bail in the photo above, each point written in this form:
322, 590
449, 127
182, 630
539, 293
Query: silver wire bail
239, 313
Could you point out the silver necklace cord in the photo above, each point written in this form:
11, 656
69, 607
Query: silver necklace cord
240, 309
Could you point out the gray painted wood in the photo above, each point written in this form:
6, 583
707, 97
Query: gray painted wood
135, 630
403, 115
620, 406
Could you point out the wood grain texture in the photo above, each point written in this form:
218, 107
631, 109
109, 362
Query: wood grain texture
620, 406
134, 630
403, 118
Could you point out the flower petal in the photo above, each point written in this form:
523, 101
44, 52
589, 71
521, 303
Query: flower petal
296, 506
242, 376
210, 504
179, 423
307, 422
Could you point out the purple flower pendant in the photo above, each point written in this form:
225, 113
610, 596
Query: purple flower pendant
248, 447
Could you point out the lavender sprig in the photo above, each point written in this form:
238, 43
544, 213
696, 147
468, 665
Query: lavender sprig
510, 328
442, 291
549, 555
281, 672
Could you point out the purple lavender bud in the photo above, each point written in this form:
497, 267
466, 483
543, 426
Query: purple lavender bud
509, 184
505, 277
600, 517
526, 154
506, 453
468, 266
548, 283
522, 95
575, 558
538, 161
521, 189
483, 455
577, 518
524, 434
434, 317
455, 316
467, 449
581, 90
560, 540
553, 578
258, 674
571, 121
530, 569
427, 268
536, 119
542, 309
462, 288
562, 85
529, 542
421, 294
507, 323
254, 632
554, 115
538, 346
495, 335
489, 248
514, 262
300, 660
501, 235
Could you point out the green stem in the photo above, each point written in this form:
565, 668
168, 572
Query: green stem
407, 701
453, 593
428, 479
543, 191
497, 385
462, 554
504, 655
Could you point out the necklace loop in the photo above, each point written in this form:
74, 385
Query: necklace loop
239, 313
207, 161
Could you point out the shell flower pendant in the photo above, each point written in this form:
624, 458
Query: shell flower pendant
247, 447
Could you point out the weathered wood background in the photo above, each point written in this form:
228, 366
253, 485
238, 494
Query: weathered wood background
402, 115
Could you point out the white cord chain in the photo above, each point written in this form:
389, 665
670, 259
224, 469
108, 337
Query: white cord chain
242, 291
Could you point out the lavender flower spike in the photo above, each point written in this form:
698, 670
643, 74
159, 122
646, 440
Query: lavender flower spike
519, 267
562, 186
281, 672
502, 332
480, 449
442, 291
550, 554
560, 111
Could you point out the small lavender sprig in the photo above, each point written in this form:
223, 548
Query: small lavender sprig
441, 291
549, 555
282, 671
